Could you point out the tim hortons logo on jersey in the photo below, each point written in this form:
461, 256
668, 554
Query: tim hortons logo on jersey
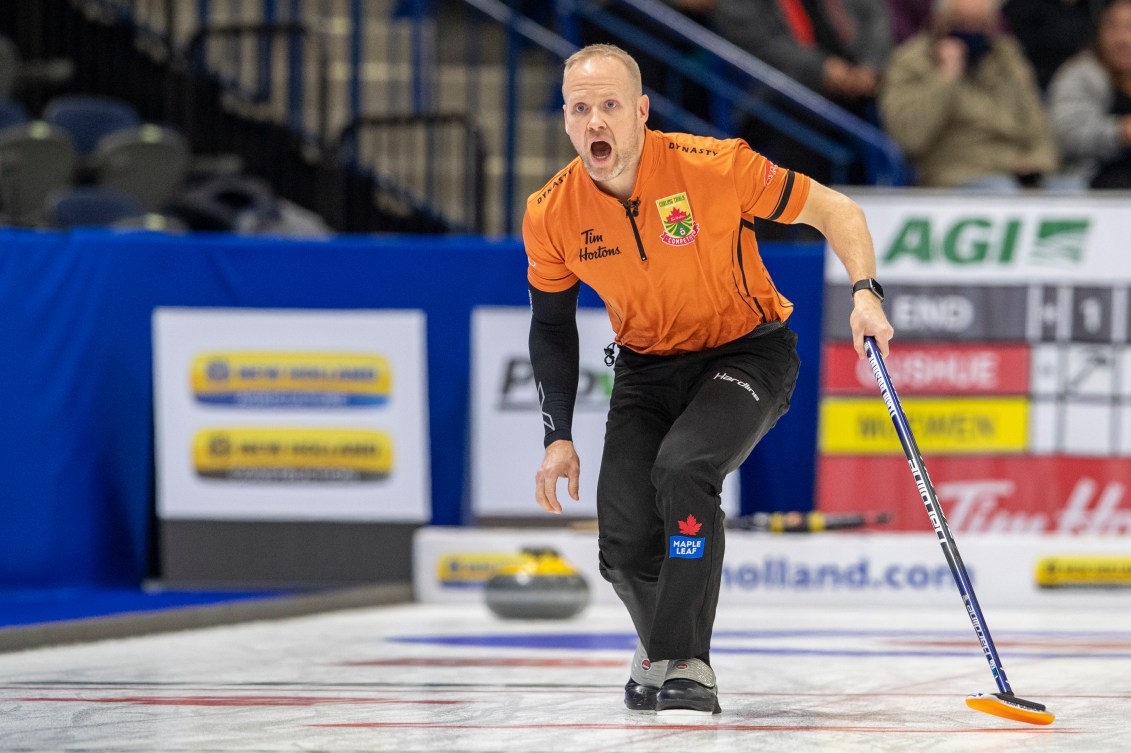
590, 238
680, 227
974, 506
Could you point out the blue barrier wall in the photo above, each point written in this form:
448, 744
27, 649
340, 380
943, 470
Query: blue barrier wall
76, 406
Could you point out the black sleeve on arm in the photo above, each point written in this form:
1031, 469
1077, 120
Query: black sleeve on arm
554, 357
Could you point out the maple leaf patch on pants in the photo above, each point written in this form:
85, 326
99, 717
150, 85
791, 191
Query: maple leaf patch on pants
686, 547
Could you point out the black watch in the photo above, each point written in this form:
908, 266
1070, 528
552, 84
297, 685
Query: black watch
869, 284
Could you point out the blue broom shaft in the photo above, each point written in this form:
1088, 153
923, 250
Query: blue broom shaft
934, 510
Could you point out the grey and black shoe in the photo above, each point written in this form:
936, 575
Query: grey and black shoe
689, 688
645, 679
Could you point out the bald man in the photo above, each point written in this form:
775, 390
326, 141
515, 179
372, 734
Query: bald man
661, 226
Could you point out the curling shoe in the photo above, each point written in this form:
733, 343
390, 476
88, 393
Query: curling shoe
644, 681
688, 689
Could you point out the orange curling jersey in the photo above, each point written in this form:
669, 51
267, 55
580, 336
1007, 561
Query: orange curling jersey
677, 265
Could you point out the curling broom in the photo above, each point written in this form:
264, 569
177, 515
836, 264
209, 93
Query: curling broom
1003, 703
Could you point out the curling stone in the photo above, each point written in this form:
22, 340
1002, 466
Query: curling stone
542, 586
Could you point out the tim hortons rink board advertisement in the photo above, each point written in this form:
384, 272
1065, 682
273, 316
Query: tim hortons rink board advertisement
507, 428
1011, 358
291, 415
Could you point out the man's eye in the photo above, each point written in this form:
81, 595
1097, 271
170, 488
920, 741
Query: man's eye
610, 105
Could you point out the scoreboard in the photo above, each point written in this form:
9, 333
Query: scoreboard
1011, 358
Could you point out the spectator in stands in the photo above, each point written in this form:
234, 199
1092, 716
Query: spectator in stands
963, 103
1090, 104
835, 47
908, 18
1051, 31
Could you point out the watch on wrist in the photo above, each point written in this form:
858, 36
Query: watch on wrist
870, 284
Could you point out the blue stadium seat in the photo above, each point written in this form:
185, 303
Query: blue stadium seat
88, 118
35, 159
82, 206
148, 163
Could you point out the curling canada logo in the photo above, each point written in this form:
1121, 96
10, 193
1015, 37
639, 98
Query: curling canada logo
687, 547
680, 227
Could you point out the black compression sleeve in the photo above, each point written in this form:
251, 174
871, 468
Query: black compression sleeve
554, 357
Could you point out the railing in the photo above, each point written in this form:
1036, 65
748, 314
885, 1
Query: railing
455, 197
316, 66
269, 67
732, 76
250, 79
525, 117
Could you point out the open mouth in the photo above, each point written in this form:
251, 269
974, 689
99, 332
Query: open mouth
600, 150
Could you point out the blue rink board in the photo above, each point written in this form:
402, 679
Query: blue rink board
40, 606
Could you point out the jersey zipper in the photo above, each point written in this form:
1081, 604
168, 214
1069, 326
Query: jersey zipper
632, 211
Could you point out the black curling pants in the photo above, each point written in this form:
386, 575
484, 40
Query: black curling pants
677, 426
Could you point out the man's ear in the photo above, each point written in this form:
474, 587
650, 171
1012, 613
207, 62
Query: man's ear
642, 107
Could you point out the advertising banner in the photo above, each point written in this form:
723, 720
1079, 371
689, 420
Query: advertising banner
987, 494
291, 415
931, 369
944, 425
507, 428
949, 238
452, 565
1011, 357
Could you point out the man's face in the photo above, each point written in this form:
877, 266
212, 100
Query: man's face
971, 15
604, 117
1115, 38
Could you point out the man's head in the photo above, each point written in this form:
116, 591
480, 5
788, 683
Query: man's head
979, 16
605, 112
1114, 38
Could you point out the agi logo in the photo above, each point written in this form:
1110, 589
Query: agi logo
687, 547
987, 240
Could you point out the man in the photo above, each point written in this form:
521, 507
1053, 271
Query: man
838, 48
1090, 106
659, 225
835, 47
962, 101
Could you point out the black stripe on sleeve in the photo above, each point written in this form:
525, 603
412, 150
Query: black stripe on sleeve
783, 200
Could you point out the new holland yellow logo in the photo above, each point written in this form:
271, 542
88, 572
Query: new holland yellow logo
266, 380
680, 227
472, 569
1088, 571
292, 454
